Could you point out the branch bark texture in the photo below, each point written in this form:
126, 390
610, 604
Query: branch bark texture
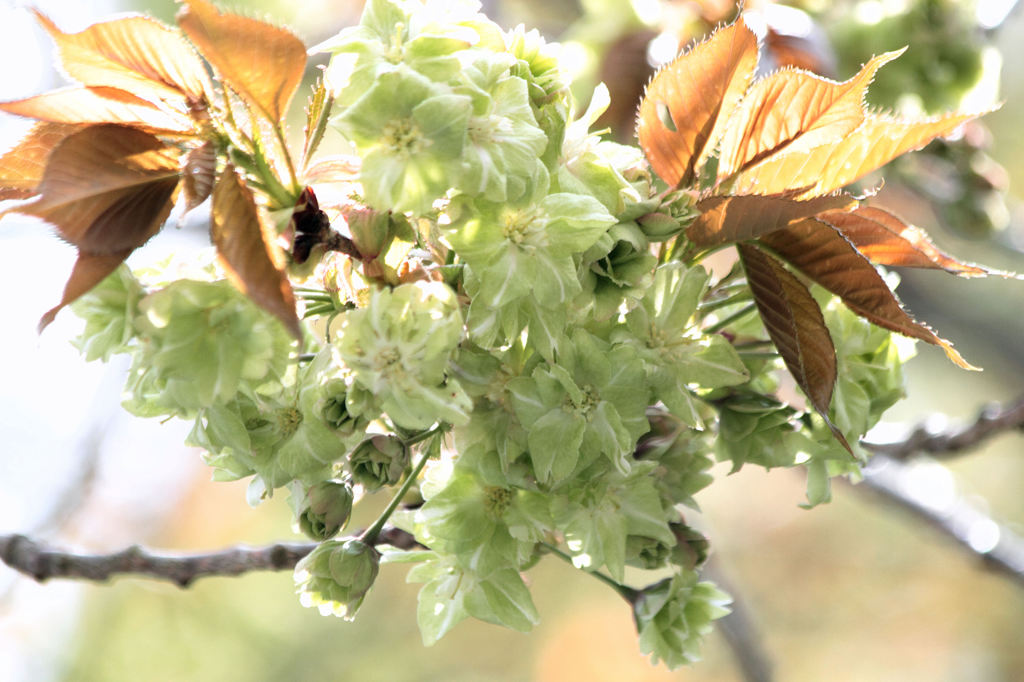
42, 562
993, 420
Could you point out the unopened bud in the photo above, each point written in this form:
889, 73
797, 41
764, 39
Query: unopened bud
335, 409
378, 461
327, 507
370, 230
645, 552
659, 227
691, 548
336, 576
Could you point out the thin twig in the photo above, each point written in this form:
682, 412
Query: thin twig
991, 421
42, 562
370, 535
626, 592
995, 545
336, 241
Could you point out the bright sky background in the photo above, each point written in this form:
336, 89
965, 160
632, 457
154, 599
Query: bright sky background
54, 406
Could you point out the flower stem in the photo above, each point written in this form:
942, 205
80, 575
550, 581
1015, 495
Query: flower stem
722, 324
750, 345
279, 134
424, 435
627, 593
742, 295
758, 354
369, 535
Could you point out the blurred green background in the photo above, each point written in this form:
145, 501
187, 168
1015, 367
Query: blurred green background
853, 590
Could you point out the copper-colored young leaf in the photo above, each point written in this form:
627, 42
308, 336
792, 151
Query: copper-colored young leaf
794, 111
341, 168
317, 112
246, 249
98, 105
136, 53
21, 168
688, 103
200, 171
827, 257
90, 269
261, 62
878, 140
796, 327
736, 218
887, 240
107, 188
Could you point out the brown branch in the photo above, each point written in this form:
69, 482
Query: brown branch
955, 518
993, 420
41, 562
740, 631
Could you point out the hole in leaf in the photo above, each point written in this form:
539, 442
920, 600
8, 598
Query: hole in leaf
665, 116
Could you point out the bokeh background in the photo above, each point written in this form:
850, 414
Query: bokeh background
854, 590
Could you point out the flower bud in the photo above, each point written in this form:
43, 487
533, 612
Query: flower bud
647, 553
370, 230
676, 212
683, 458
691, 548
377, 461
335, 409
659, 227
327, 507
336, 576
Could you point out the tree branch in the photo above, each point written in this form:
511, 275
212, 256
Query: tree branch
41, 562
991, 421
739, 630
995, 545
